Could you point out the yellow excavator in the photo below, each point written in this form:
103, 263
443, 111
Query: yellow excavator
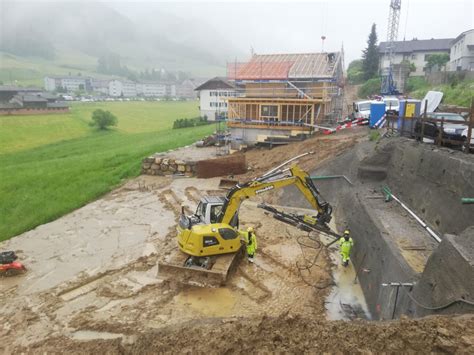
209, 239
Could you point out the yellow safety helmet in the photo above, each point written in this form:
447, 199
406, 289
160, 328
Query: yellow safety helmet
347, 232
250, 229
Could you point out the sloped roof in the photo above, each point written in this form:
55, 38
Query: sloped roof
215, 84
418, 45
289, 66
18, 89
31, 98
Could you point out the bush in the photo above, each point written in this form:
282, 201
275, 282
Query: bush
103, 119
190, 122
415, 83
374, 136
370, 87
459, 93
355, 75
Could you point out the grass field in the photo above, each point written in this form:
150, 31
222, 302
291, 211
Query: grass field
53, 164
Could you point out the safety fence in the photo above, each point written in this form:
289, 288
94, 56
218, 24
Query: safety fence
424, 126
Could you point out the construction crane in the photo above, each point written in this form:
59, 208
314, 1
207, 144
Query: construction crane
388, 84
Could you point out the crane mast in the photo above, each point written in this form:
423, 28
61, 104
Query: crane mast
388, 85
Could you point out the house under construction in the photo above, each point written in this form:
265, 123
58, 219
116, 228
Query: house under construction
284, 95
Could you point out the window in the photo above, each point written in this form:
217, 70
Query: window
269, 111
228, 233
413, 56
216, 211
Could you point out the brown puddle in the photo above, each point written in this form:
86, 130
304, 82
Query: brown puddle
212, 302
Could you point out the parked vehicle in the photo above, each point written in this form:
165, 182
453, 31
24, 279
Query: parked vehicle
392, 104
464, 137
451, 130
361, 109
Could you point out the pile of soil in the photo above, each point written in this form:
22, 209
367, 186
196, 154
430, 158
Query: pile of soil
289, 334
323, 147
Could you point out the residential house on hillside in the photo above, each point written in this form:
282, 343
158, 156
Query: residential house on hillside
415, 51
284, 95
68, 83
213, 96
462, 52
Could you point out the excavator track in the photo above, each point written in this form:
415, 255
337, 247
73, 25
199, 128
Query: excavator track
216, 273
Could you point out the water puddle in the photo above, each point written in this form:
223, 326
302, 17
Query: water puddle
346, 300
212, 302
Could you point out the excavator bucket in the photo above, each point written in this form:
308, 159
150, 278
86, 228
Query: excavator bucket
214, 272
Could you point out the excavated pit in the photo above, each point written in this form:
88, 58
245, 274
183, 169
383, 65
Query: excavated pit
92, 283
390, 246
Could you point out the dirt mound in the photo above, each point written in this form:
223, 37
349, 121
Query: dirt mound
293, 334
324, 147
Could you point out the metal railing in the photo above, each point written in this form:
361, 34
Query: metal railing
408, 127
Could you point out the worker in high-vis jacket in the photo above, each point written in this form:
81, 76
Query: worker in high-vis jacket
251, 243
345, 247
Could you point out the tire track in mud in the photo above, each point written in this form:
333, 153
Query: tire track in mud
193, 194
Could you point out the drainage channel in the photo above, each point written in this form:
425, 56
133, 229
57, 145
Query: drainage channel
346, 300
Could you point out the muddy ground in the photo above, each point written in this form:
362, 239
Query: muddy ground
93, 283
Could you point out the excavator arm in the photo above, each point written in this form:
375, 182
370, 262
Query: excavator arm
292, 176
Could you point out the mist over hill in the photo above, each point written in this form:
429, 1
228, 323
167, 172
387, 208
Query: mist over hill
52, 30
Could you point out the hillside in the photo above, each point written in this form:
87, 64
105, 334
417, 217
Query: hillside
43, 38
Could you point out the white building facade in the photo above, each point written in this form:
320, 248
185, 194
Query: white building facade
68, 83
213, 96
462, 52
118, 88
415, 51
151, 89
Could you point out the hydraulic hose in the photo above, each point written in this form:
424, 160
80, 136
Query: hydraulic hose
437, 308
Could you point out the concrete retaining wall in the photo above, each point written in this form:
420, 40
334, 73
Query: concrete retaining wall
446, 77
433, 181
449, 275
429, 180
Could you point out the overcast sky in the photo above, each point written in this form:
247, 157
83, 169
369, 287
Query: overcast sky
297, 26
292, 26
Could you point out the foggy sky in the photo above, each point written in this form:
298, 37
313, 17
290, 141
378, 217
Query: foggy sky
296, 26
290, 26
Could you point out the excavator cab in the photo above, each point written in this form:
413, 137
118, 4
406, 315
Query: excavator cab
209, 209
202, 234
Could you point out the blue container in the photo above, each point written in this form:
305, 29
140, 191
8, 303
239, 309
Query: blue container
409, 109
377, 114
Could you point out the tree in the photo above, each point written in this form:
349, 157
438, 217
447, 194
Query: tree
103, 119
370, 56
438, 60
355, 75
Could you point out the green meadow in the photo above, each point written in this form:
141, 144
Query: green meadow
53, 164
